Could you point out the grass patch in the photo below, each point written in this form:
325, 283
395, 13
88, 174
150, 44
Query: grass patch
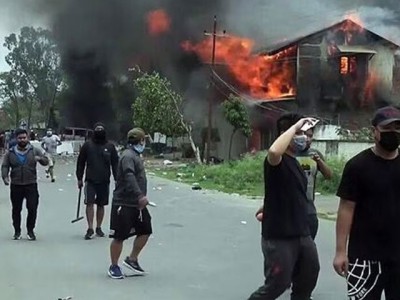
244, 177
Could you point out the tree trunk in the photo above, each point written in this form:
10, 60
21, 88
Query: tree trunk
195, 149
172, 147
230, 143
17, 115
30, 113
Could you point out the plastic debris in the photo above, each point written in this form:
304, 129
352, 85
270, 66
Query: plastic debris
244, 222
167, 162
196, 186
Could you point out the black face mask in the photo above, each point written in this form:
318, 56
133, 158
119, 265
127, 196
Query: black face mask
99, 135
22, 144
390, 140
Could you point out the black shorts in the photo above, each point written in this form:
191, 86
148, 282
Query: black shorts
367, 280
97, 193
129, 221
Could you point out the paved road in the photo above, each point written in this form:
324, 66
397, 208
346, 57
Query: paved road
201, 249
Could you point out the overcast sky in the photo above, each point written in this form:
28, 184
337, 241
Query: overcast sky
13, 16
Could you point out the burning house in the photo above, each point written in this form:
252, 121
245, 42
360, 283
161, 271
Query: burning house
338, 73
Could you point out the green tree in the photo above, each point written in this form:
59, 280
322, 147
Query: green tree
35, 63
10, 92
236, 114
158, 108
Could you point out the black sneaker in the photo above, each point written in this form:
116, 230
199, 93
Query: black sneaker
89, 234
99, 232
53, 180
17, 235
31, 236
134, 266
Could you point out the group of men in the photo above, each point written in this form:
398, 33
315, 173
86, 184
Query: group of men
368, 223
98, 158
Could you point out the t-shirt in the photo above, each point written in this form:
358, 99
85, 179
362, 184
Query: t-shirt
285, 202
373, 183
51, 143
310, 168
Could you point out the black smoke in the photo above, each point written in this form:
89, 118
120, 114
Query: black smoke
101, 39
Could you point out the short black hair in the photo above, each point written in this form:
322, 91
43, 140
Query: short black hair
20, 131
286, 121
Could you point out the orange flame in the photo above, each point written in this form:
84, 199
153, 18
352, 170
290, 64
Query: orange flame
265, 76
158, 22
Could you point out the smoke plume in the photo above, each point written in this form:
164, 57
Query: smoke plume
100, 39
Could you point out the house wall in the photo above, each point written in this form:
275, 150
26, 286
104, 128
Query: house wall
344, 149
382, 64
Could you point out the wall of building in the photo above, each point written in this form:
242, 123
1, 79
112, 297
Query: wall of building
338, 148
381, 65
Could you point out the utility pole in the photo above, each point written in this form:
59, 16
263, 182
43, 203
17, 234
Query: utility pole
210, 97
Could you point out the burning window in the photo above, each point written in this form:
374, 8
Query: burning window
348, 65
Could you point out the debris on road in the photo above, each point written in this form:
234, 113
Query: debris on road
196, 186
244, 222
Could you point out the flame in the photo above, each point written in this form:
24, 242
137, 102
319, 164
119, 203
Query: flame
265, 76
158, 22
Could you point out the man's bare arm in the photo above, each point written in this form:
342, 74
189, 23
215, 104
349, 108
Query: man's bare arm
343, 224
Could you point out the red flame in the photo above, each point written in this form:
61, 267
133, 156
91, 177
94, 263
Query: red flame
265, 76
158, 22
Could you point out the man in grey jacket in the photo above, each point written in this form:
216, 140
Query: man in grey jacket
22, 160
129, 215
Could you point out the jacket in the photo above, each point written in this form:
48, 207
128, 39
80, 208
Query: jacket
23, 173
98, 159
131, 183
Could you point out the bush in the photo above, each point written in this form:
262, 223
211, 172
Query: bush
330, 186
245, 176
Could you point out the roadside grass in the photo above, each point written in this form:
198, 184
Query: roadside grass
244, 176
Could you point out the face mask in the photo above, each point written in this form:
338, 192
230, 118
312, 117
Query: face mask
139, 148
299, 143
22, 144
389, 140
99, 134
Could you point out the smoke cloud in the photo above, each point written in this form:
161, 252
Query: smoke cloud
100, 38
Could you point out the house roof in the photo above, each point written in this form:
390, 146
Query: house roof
278, 47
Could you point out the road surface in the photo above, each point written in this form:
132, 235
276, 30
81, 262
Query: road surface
206, 246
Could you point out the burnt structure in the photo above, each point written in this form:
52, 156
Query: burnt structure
341, 73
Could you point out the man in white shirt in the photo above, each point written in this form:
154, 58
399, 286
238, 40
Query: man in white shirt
50, 143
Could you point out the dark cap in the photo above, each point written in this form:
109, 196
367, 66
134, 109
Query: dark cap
99, 124
136, 134
385, 116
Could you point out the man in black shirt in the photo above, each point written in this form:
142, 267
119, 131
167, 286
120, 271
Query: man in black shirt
286, 241
99, 157
368, 223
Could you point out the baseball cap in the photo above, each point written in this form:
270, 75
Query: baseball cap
385, 116
136, 134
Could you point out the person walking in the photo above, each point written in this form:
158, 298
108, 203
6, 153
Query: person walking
129, 214
290, 254
22, 161
368, 222
98, 157
50, 143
